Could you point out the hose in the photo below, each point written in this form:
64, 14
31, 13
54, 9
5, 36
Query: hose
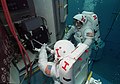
12, 29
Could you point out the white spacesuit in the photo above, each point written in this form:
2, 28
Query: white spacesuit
92, 17
98, 44
86, 30
82, 30
65, 56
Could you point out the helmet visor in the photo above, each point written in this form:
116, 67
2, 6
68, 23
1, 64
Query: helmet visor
78, 23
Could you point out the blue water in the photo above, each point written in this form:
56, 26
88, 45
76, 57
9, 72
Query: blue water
108, 11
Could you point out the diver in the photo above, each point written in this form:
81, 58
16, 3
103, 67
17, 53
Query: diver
86, 30
98, 44
66, 54
82, 30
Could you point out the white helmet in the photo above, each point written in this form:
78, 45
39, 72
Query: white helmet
62, 48
81, 17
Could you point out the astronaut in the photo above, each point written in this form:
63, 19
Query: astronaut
82, 30
92, 17
98, 43
66, 55
86, 30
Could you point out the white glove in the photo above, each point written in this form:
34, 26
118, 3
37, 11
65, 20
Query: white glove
44, 46
39, 49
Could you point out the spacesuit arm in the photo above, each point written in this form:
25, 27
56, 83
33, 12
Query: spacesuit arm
89, 35
88, 41
48, 68
69, 33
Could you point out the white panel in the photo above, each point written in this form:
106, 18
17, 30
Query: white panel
45, 9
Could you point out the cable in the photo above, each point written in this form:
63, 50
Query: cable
110, 29
111, 26
12, 29
23, 78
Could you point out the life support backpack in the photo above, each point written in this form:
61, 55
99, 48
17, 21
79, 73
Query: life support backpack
92, 17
